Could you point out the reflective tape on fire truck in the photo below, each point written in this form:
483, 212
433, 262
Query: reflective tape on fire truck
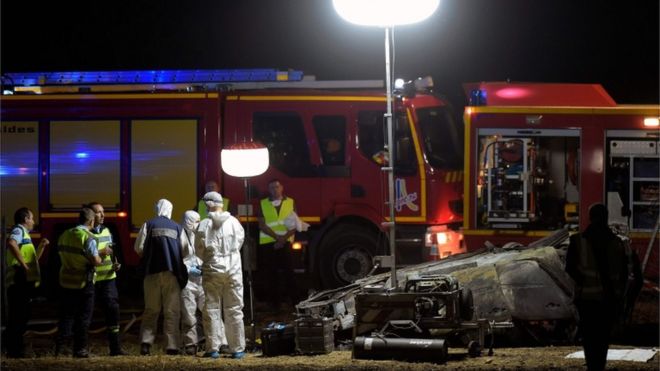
454, 176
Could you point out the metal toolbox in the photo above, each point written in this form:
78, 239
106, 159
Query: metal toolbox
314, 335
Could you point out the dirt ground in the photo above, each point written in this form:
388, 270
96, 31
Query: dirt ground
40, 349
548, 358
40, 344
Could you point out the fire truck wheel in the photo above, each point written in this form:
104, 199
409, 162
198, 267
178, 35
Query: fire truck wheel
346, 254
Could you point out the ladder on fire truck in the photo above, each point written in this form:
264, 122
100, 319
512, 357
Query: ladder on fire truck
169, 80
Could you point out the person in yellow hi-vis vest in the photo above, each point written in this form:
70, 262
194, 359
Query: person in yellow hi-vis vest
106, 287
22, 277
275, 238
79, 255
202, 209
597, 262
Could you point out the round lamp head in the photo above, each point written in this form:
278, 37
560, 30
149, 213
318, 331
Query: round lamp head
245, 159
385, 13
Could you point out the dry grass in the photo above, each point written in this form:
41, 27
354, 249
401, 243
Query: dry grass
545, 358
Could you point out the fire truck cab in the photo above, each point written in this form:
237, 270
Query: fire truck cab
538, 155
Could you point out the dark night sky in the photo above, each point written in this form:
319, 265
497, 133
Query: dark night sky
612, 43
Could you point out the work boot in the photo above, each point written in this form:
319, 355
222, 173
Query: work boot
63, 347
118, 352
145, 349
115, 345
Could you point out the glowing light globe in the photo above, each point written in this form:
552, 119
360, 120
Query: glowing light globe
245, 159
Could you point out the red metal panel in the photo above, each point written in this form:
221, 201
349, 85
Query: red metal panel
546, 94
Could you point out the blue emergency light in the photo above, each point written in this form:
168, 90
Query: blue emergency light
478, 97
151, 77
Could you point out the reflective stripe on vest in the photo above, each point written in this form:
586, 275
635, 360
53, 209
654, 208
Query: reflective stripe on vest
203, 211
592, 287
274, 220
104, 271
29, 254
74, 270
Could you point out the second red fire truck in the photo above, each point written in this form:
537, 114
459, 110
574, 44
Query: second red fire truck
538, 155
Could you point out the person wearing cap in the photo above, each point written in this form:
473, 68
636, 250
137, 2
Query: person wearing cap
210, 186
192, 296
218, 243
159, 246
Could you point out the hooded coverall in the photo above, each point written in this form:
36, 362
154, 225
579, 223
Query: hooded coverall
218, 243
192, 296
159, 244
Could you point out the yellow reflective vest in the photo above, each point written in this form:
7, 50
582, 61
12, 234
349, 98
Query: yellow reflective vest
29, 257
105, 271
275, 220
203, 211
75, 265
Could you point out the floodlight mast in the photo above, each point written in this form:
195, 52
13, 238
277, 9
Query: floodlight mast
245, 160
387, 14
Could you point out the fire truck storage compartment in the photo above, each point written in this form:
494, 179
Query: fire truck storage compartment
527, 179
633, 180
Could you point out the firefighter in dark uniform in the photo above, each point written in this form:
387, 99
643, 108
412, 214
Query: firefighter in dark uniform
596, 260
79, 255
106, 288
22, 277
274, 253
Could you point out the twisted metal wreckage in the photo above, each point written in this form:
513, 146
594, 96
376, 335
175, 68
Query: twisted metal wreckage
522, 292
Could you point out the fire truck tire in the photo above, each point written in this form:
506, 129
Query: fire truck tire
467, 304
346, 254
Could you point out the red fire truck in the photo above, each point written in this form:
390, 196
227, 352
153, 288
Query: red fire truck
127, 139
538, 155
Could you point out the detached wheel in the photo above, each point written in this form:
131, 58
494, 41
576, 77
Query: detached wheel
346, 255
467, 304
474, 349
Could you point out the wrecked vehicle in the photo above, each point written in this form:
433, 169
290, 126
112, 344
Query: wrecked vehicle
522, 291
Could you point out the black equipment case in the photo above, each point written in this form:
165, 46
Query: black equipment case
314, 335
278, 339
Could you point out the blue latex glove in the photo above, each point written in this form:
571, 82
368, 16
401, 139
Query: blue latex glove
195, 271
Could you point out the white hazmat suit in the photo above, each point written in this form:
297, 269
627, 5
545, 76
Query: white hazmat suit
218, 243
192, 296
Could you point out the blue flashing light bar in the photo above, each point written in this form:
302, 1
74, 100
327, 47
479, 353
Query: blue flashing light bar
150, 77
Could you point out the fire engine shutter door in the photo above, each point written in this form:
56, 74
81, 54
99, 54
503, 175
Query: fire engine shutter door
19, 159
163, 165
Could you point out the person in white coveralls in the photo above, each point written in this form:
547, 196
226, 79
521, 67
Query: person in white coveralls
218, 243
192, 296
